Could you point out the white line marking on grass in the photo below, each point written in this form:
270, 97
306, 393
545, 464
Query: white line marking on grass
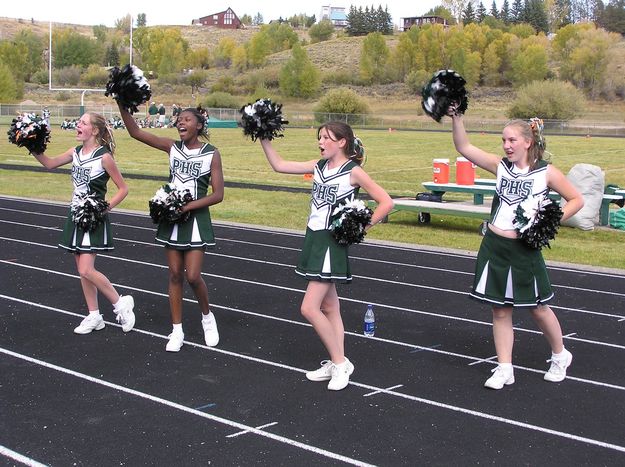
16, 456
244, 432
189, 410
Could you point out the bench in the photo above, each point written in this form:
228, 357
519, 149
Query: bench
486, 187
450, 208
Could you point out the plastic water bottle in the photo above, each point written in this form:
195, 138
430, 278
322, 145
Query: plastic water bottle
369, 322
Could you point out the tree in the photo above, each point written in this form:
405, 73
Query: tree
258, 20
322, 31
141, 20
32, 47
196, 80
222, 56
246, 19
468, 14
8, 85
493, 10
71, 48
298, 76
111, 57
536, 15
373, 58
124, 24
456, 7
613, 17
480, 13
529, 65
505, 13
517, 12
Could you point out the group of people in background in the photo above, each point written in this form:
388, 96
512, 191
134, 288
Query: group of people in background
509, 275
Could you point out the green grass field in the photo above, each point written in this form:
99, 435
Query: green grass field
398, 160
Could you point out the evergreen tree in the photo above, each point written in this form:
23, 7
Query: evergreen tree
493, 10
536, 15
141, 20
516, 14
468, 14
480, 13
504, 15
612, 18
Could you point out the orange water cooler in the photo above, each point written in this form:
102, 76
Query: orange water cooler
440, 170
465, 171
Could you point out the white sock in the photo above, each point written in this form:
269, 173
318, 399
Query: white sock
558, 356
94, 312
178, 328
116, 304
205, 317
506, 366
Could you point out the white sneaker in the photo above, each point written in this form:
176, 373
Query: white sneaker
557, 370
211, 335
93, 321
340, 375
322, 374
125, 315
501, 376
175, 341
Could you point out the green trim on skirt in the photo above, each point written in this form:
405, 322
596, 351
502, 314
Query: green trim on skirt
509, 273
76, 240
323, 259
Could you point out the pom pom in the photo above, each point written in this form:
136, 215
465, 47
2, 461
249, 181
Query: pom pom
348, 222
88, 211
262, 120
31, 132
166, 204
129, 87
537, 220
445, 89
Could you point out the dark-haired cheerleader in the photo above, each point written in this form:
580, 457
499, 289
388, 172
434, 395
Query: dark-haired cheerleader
324, 261
92, 166
510, 270
194, 166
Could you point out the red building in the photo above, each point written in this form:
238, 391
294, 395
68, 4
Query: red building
225, 19
407, 23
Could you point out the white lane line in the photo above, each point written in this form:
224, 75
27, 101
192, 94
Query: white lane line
244, 432
369, 394
16, 456
175, 405
291, 289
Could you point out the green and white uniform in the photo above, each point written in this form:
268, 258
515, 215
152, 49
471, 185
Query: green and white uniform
508, 272
190, 169
88, 176
322, 258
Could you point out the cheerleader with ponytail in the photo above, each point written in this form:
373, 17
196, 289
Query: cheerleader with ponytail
337, 177
510, 269
87, 229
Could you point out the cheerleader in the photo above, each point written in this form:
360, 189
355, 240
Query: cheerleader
509, 273
92, 166
323, 261
193, 165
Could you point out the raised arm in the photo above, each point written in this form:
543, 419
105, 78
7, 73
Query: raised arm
280, 165
482, 159
54, 162
157, 142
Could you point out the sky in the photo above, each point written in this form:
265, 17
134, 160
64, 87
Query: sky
164, 12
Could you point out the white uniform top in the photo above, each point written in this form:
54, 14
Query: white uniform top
330, 187
191, 168
513, 186
88, 173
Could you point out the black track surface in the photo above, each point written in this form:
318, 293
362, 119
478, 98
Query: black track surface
415, 398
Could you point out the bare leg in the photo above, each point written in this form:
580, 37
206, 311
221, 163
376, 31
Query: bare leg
175, 260
548, 323
503, 333
321, 308
193, 260
93, 281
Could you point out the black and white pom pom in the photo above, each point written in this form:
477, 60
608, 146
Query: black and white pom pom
129, 87
88, 211
262, 120
166, 204
537, 221
348, 222
31, 132
445, 89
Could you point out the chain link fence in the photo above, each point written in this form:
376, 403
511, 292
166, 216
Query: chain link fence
59, 113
